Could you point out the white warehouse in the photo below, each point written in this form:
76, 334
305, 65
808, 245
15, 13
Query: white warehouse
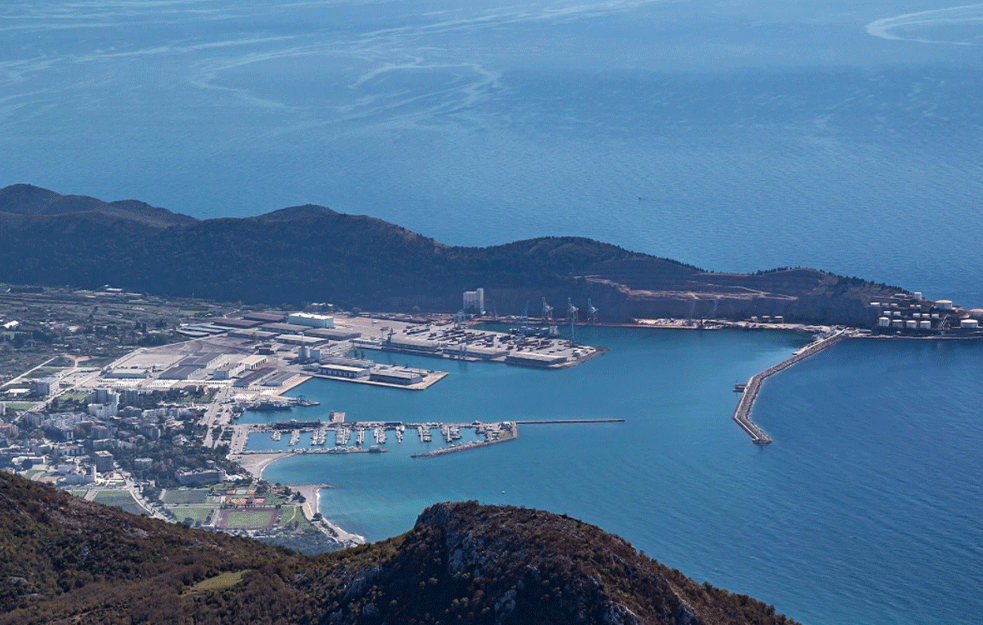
314, 321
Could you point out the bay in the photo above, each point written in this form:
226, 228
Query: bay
865, 510
734, 136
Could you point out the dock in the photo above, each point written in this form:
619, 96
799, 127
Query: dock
742, 414
489, 433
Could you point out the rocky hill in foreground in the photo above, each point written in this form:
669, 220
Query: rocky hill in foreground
311, 253
64, 560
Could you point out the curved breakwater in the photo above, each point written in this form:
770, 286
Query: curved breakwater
742, 414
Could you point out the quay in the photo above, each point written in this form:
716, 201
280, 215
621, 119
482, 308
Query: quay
742, 414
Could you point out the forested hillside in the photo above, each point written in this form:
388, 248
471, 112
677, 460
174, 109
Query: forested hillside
312, 253
65, 560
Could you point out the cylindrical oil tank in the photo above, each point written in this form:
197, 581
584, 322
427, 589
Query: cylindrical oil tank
925, 325
976, 313
944, 304
911, 324
883, 322
972, 324
897, 323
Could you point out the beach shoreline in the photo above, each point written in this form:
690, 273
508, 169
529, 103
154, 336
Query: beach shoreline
256, 464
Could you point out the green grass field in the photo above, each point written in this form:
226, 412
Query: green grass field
289, 514
196, 513
247, 519
44, 372
20, 405
73, 396
119, 499
184, 496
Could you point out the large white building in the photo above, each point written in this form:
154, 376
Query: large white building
474, 302
314, 321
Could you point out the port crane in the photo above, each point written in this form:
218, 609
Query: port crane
524, 321
572, 316
547, 311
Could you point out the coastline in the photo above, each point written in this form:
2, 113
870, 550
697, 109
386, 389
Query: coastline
256, 464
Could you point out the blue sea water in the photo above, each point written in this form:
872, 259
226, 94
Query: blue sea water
734, 135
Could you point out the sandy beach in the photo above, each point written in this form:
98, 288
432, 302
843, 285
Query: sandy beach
255, 464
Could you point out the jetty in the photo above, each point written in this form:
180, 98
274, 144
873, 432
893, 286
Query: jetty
488, 433
742, 414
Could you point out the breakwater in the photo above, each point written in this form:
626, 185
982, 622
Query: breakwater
742, 414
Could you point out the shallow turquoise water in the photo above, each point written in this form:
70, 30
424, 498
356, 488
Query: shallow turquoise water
865, 510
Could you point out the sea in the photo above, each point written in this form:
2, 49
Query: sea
734, 135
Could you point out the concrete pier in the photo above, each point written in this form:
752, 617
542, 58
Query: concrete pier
743, 412
490, 433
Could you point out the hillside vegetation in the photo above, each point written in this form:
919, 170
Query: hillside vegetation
69, 561
312, 253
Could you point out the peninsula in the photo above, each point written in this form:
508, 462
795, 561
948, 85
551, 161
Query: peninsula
314, 254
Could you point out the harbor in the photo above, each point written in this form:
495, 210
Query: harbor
749, 391
483, 433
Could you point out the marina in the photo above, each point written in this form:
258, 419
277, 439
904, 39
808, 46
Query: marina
487, 433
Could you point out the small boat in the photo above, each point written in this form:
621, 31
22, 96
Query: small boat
739, 388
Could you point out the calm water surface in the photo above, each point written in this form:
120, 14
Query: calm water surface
865, 510
731, 135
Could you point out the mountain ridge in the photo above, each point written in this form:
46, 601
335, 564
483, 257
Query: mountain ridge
312, 253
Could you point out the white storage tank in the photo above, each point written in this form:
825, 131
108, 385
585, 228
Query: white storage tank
911, 324
971, 324
925, 325
897, 313
944, 304
918, 295
897, 323
884, 322
935, 315
976, 313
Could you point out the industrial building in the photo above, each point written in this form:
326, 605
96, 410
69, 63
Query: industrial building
263, 317
534, 359
300, 339
256, 377
253, 362
403, 377
343, 371
237, 323
311, 320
